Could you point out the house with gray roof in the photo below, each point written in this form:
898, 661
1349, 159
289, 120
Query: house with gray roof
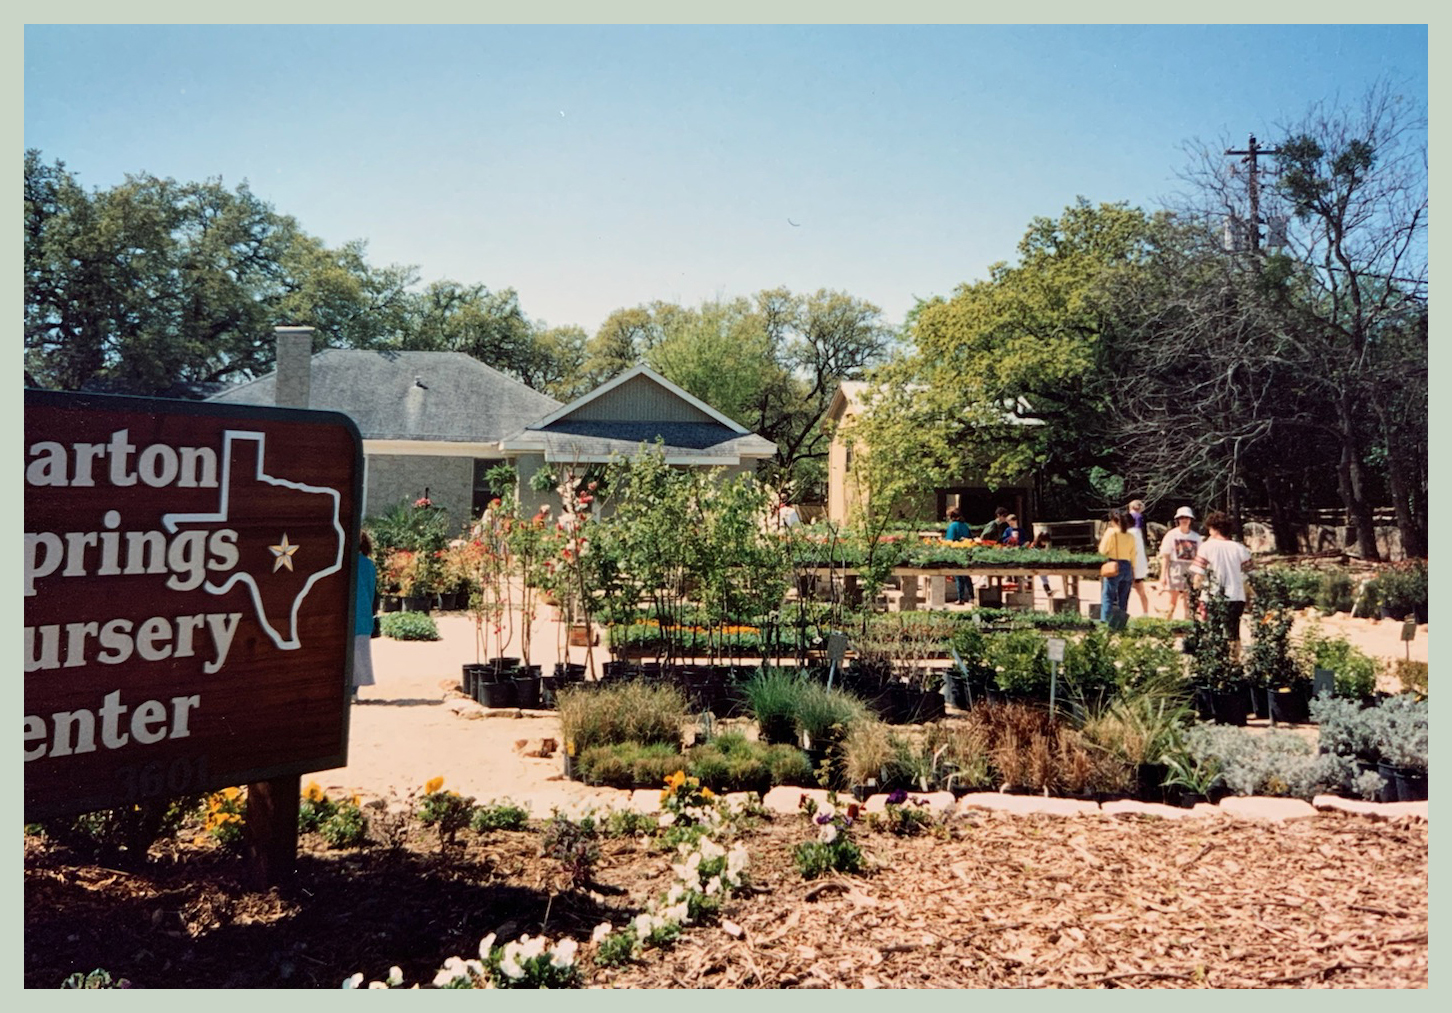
434, 423
431, 421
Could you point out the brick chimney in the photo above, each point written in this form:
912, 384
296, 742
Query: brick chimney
294, 366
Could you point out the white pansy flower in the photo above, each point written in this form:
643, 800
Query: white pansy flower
676, 893
453, 968
486, 946
736, 860
509, 962
677, 913
354, 981
666, 819
713, 885
601, 931
643, 924
828, 834
395, 976
376, 984
710, 849
529, 948
564, 953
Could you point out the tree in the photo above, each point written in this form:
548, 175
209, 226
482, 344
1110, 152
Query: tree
157, 286
1350, 288
1030, 343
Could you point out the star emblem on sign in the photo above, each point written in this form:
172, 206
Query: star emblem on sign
283, 551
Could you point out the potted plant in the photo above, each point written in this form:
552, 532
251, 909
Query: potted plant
1400, 590
1195, 777
1272, 669
1401, 733
1221, 693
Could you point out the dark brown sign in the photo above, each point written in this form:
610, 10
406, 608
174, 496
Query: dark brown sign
188, 583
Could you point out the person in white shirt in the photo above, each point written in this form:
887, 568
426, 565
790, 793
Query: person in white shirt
787, 516
1221, 566
1178, 550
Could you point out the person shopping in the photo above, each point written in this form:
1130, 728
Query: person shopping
364, 608
959, 532
1118, 545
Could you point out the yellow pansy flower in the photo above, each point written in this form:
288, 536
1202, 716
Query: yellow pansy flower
433, 784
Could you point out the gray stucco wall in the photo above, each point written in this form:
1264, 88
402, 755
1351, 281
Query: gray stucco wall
393, 477
525, 465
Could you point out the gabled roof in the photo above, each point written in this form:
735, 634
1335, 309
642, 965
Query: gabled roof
445, 397
630, 374
639, 407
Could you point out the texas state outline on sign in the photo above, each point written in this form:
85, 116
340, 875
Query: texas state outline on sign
236, 441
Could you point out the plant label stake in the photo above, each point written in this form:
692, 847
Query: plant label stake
836, 650
1056, 655
967, 684
1409, 633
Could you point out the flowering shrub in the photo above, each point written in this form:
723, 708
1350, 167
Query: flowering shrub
400, 571
833, 850
226, 817
447, 810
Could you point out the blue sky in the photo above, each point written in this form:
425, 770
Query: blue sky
911, 157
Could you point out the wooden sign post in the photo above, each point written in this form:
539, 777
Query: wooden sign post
188, 586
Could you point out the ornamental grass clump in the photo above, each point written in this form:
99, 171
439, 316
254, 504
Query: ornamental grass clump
772, 696
627, 764
628, 712
824, 715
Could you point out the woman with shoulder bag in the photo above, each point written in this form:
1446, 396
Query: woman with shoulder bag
1117, 575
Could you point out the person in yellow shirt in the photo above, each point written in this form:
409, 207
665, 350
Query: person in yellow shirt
1117, 544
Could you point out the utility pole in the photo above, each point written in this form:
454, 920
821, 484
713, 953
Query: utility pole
1253, 150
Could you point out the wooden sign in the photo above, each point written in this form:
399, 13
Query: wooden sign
188, 589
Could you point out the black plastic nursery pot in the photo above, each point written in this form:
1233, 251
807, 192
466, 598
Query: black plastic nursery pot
1411, 784
1149, 782
527, 690
1291, 705
1227, 707
418, 603
473, 674
1388, 792
391, 603
1260, 699
497, 694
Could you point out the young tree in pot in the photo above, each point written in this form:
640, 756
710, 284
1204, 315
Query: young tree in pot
1271, 667
1215, 672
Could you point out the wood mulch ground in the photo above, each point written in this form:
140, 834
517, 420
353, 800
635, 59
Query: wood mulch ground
993, 900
